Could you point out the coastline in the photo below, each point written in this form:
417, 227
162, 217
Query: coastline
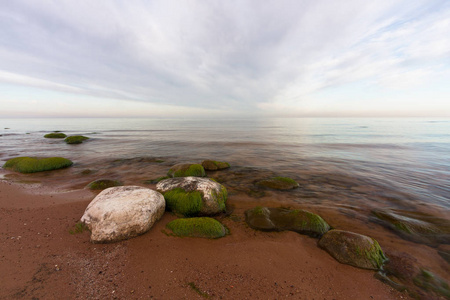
40, 258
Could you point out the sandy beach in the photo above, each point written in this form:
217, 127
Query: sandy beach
40, 259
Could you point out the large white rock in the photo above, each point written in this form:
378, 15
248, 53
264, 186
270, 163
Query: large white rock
214, 195
119, 213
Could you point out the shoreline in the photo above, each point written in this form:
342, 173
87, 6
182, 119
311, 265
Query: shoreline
40, 258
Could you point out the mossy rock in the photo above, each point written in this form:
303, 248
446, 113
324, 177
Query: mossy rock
212, 165
185, 170
198, 227
430, 282
102, 184
415, 226
279, 219
75, 139
353, 249
55, 135
278, 183
32, 165
182, 202
193, 196
156, 180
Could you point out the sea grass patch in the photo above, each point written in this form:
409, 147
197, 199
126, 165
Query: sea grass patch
278, 183
75, 139
55, 135
197, 227
33, 165
102, 184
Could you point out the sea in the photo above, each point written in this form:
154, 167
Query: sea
350, 165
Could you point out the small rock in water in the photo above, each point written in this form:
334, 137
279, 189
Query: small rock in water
278, 183
278, 219
102, 184
415, 226
212, 165
353, 249
185, 170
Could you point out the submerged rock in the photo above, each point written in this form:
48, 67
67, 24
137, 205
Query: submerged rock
415, 226
192, 196
353, 249
75, 139
102, 184
185, 170
33, 165
198, 227
55, 135
123, 212
278, 219
430, 282
212, 165
278, 183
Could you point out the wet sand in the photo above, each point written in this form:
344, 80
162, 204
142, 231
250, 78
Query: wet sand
40, 259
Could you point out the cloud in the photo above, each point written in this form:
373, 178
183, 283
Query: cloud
241, 56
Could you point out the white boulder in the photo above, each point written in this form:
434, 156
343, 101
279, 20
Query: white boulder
122, 212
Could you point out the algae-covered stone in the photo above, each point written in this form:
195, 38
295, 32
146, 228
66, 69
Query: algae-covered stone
123, 212
185, 170
55, 135
212, 165
75, 139
156, 180
430, 282
415, 226
192, 196
278, 183
278, 219
102, 184
353, 249
198, 227
32, 164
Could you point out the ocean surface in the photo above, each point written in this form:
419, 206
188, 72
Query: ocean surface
351, 165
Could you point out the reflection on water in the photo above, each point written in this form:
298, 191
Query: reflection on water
353, 164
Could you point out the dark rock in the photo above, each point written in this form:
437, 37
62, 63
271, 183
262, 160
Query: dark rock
279, 219
353, 249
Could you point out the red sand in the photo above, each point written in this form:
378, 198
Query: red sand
39, 258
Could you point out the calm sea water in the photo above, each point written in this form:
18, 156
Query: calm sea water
350, 164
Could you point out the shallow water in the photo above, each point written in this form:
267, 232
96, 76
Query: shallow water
350, 163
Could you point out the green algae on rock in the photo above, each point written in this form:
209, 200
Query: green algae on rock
430, 282
415, 226
353, 249
278, 183
55, 135
192, 196
33, 165
185, 170
198, 227
212, 165
182, 202
279, 219
75, 139
102, 184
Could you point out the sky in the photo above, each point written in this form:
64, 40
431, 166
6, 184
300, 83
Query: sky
222, 59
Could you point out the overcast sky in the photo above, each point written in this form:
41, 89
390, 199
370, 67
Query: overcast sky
225, 58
